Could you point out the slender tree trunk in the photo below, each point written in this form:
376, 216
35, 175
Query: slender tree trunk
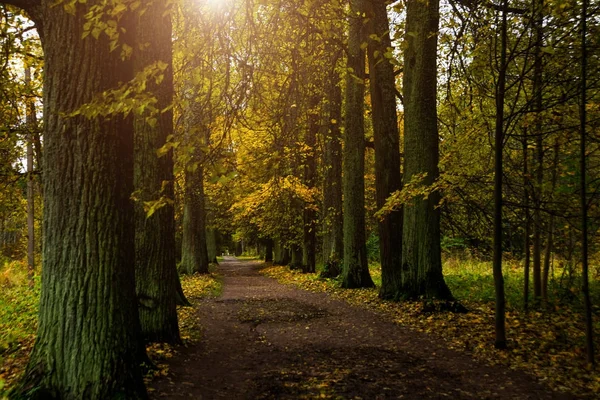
527, 225
31, 124
155, 262
550, 240
387, 149
539, 149
421, 250
500, 317
589, 323
309, 247
355, 272
87, 344
333, 231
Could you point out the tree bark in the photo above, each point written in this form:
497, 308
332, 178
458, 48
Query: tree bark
550, 240
309, 248
194, 254
589, 322
31, 124
527, 224
355, 272
333, 223
421, 250
87, 342
500, 317
387, 149
539, 154
268, 250
156, 271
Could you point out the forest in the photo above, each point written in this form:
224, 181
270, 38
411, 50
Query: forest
436, 163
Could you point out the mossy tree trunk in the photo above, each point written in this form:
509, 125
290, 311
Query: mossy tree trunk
87, 344
155, 263
333, 232
212, 244
421, 250
387, 149
355, 272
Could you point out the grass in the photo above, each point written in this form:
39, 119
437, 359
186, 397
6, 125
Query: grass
18, 320
548, 343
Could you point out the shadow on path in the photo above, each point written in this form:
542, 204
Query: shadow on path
264, 340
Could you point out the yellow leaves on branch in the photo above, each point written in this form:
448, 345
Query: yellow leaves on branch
130, 97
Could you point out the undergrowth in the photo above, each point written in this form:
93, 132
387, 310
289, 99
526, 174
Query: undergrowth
549, 344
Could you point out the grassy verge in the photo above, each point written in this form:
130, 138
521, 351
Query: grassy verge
549, 345
18, 321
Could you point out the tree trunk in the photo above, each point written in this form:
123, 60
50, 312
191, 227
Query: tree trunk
87, 344
194, 254
296, 259
500, 317
212, 245
539, 151
268, 250
309, 248
355, 271
589, 322
333, 232
387, 149
31, 124
527, 225
421, 250
155, 254
550, 240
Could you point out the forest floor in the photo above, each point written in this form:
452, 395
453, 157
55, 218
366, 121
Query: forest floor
264, 340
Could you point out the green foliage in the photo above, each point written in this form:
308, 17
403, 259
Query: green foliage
18, 320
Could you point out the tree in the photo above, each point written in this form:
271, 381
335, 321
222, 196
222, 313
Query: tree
387, 148
498, 169
87, 342
589, 323
333, 220
355, 272
156, 273
421, 251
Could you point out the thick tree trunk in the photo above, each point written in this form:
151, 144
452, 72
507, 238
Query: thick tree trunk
155, 263
387, 149
421, 250
87, 343
333, 231
355, 272
194, 254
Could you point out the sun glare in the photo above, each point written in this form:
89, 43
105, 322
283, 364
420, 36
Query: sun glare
215, 5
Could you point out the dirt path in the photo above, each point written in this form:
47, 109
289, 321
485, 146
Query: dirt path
264, 340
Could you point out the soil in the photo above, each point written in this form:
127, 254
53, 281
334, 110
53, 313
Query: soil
264, 340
